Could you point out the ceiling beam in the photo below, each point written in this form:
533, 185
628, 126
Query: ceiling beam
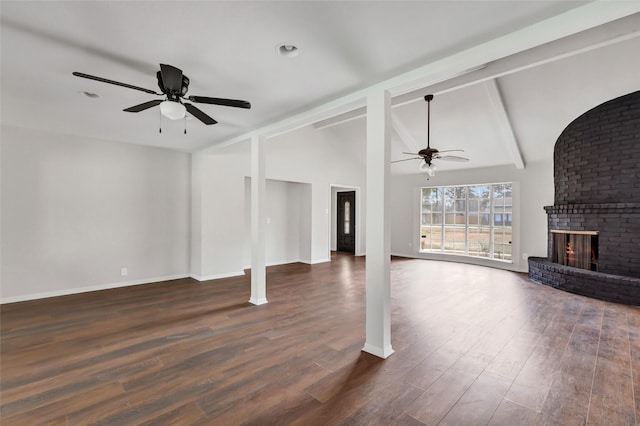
504, 123
400, 130
404, 135
608, 34
576, 20
342, 118
626, 28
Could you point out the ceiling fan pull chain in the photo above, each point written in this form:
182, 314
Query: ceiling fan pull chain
185, 124
160, 129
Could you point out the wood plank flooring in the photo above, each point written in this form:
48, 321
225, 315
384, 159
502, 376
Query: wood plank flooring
473, 346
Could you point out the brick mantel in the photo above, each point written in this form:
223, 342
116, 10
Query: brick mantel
602, 208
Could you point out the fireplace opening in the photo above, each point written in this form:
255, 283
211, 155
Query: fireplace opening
578, 249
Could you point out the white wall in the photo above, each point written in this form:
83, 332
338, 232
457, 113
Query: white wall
76, 210
300, 167
533, 189
218, 217
288, 227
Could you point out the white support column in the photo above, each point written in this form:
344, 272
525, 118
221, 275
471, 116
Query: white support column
378, 280
258, 218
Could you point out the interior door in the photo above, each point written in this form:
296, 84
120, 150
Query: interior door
346, 218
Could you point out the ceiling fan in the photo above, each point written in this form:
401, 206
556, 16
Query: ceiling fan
429, 154
173, 86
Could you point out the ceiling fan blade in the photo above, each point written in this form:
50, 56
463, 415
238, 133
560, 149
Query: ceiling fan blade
117, 83
452, 158
410, 153
197, 113
452, 150
407, 159
171, 78
220, 101
143, 106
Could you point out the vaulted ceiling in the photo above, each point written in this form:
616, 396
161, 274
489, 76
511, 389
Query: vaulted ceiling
508, 111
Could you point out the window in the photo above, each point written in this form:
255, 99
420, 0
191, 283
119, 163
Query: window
472, 220
347, 218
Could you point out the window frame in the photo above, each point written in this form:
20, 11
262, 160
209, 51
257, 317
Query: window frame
494, 209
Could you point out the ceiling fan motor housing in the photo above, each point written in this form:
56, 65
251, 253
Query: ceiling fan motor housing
173, 96
427, 152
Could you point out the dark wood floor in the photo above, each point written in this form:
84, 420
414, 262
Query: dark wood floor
473, 346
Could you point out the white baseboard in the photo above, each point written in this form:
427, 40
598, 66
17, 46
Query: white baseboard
283, 262
286, 262
313, 262
68, 291
216, 276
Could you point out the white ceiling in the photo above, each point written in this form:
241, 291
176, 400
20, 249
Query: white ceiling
229, 49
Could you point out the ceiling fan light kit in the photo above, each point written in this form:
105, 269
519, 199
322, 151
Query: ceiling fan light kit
173, 110
173, 85
430, 169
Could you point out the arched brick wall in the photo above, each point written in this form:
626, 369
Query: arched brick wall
597, 188
597, 157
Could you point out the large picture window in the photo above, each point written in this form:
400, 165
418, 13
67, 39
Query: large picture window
473, 220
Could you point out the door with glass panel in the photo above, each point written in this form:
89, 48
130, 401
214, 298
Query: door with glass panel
346, 218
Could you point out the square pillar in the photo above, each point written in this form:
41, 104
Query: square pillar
258, 218
378, 226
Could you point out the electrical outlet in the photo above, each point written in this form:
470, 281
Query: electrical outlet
123, 272
525, 256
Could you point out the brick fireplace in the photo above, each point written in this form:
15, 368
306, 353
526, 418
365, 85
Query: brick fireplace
594, 224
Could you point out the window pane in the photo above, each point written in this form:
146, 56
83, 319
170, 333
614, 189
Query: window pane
484, 238
501, 251
450, 218
436, 238
449, 233
450, 193
497, 236
507, 252
507, 219
480, 191
347, 213
498, 191
449, 205
507, 190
